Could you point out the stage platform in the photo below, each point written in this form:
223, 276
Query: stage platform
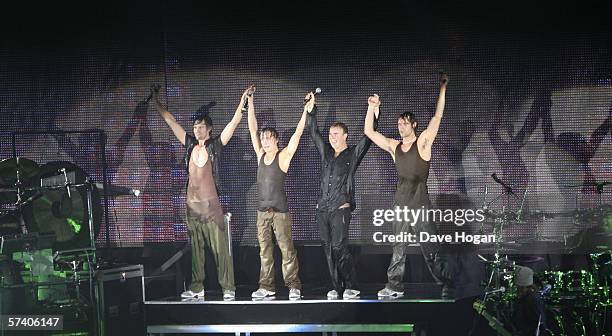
314, 313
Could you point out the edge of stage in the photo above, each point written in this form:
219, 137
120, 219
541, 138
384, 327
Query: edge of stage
419, 308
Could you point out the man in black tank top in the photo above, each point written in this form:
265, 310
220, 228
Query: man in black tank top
334, 209
411, 157
273, 216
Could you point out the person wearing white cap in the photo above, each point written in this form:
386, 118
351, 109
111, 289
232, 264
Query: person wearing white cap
528, 317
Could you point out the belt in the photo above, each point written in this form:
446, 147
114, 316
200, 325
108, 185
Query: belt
271, 209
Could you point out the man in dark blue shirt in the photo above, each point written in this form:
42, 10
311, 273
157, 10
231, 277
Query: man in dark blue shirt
338, 165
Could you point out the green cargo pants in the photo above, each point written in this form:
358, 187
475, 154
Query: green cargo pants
208, 234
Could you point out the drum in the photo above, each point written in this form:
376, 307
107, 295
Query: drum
64, 211
578, 281
9, 224
554, 279
601, 266
14, 299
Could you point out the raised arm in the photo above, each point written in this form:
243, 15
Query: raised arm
429, 134
252, 120
229, 129
369, 129
365, 142
178, 130
313, 128
287, 153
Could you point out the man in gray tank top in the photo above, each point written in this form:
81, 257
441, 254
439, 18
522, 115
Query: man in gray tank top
411, 157
205, 223
273, 218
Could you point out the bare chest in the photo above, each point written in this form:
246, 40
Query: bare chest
199, 156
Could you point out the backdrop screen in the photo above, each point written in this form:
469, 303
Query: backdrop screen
533, 109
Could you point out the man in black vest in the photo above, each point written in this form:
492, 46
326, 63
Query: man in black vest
273, 218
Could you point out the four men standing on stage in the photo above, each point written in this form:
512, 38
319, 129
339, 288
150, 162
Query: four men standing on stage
339, 163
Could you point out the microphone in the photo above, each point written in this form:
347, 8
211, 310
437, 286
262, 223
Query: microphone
443, 77
316, 92
496, 179
500, 290
154, 88
250, 92
545, 290
115, 190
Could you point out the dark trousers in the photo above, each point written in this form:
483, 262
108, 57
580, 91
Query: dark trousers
436, 261
333, 227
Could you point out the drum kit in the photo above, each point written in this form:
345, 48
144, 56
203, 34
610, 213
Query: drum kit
50, 216
577, 302
566, 230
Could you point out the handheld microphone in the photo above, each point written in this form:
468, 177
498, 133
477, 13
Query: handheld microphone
545, 290
250, 92
316, 92
154, 88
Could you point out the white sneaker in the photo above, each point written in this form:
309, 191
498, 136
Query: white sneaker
229, 294
332, 295
386, 292
267, 298
294, 294
191, 294
350, 294
262, 293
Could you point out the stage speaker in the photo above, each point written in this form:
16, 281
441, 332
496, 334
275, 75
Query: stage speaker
120, 297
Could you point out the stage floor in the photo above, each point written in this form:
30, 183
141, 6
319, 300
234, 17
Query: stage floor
420, 306
415, 292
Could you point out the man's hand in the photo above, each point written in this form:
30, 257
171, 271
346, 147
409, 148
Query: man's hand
310, 102
250, 90
154, 91
243, 98
443, 79
374, 100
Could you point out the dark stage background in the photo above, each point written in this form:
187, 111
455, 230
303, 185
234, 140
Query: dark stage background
529, 99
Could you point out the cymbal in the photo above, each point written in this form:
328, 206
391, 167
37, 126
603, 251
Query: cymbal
507, 215
28, 170
499, 247
537, 214
526, 259
603, 248
590, 184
